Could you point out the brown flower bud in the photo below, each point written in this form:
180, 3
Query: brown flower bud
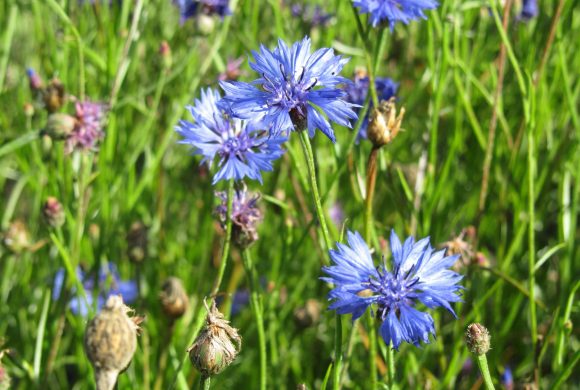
214, 348
111, 341
54, 95
137, 242
16, 239
307, 315
478, 339
174, 300
60, 126
384, 124
53, 212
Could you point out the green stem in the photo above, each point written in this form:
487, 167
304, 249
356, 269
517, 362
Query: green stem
531, 237
200, 315
307, 149
484, 369
391, 365
372, 350
257, 309
205, 383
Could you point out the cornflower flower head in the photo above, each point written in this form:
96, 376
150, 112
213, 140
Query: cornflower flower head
88, 129
357, 92
243, 148
297, 88
313, 15
418, 275
529, 10
393, 11
190, 8
108, 283
245, 215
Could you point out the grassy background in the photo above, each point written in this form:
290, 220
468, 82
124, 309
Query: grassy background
448, 70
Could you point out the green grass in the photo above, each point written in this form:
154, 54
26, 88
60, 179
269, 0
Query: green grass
448, 67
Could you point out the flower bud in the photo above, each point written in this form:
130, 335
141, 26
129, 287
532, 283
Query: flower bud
205, 24
34, 80
307, 315
59, 126
246, 216
384, 123
111, 341
16, 239
478, 339
53, 212
214, 348
137, 242
4, 377
54, 95
28, 109
165, 53
174, 300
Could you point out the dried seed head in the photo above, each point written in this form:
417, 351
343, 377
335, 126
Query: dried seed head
111, 341
478, 339
384, 123
217, 345
173, 297
60, 126
137, 242
16, 239
54, 95
307, 315
53, 212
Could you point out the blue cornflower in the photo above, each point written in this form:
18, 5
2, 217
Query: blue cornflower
357, 93
297, 87
418, 275
189, 8
108, 283
529, 10
507, 378
394, 10
242, 147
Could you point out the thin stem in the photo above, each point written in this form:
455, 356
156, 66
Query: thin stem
200, 317
205, 383
391, 365
531, 236
337, 353
367, 48
227, 241
257, 309
372, 350
308, 154
484, 369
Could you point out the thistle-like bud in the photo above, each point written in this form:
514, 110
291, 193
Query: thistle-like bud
111, 341
34, 80
384, 123
307, 315
478, 339
53, 212
205, 24
54, 95
137, 242
16, 239
217, 345
60, 126
28, 109
174, 300
165, 53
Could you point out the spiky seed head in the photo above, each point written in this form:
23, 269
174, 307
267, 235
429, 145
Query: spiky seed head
16, 238
217, 345
478, 339
174, 299
111, 341
384, 123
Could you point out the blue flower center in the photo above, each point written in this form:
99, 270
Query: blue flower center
392, 290
291, 93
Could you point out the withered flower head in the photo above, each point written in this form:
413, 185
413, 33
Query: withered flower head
246, 216
217, 345
54, 95
307, 315
111, 341
174, 300
385, 123
16, 238
137, 242
60, 126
